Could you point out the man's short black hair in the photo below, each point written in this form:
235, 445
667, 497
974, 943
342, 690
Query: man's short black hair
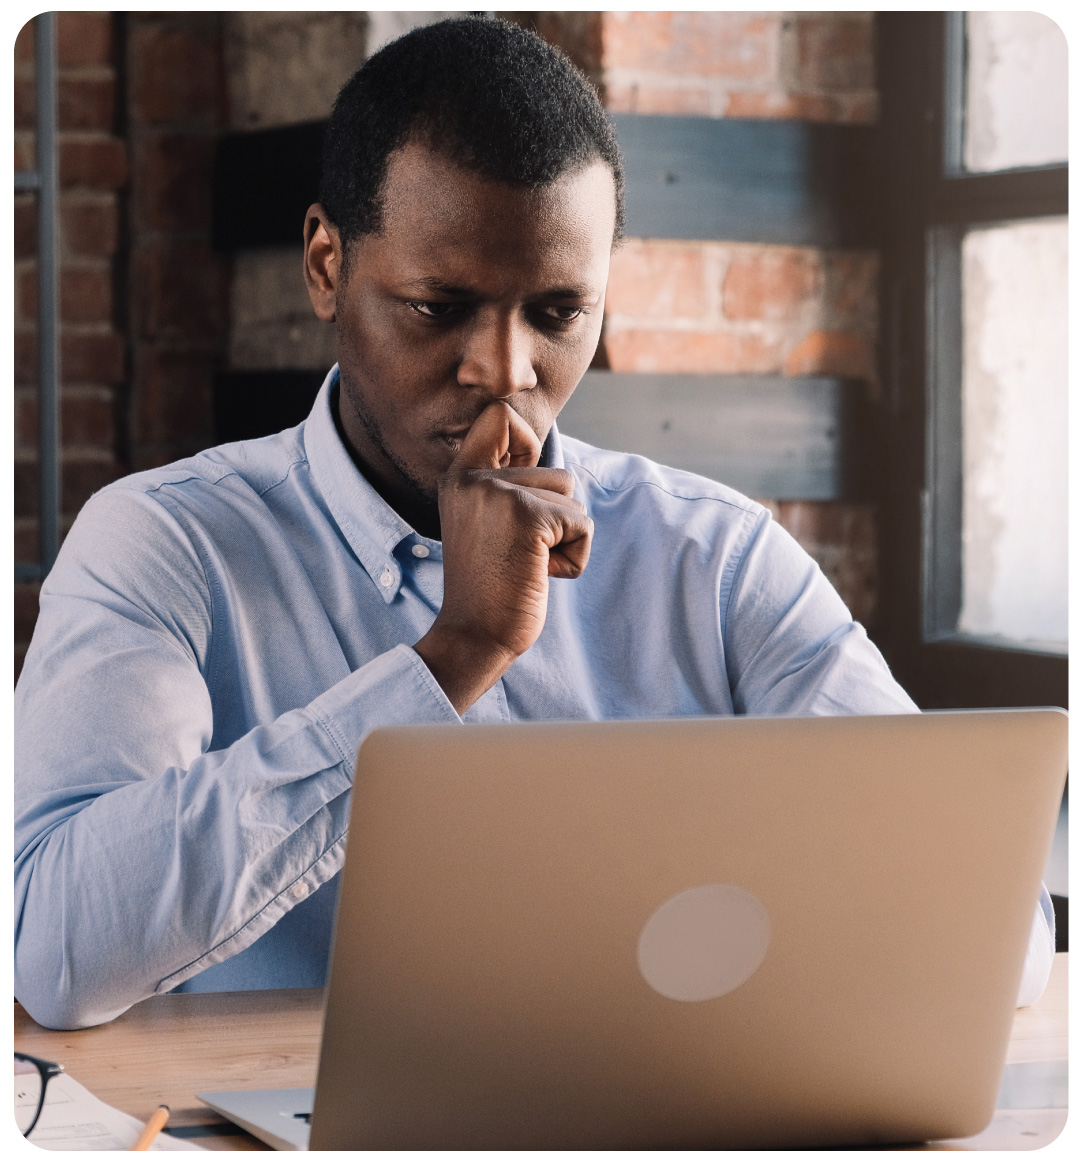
489, 95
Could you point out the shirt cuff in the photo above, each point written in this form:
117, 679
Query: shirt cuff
396, 688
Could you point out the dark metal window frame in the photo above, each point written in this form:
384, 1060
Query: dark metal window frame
930, 202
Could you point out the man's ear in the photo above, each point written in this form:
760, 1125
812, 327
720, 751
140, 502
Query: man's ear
323, 260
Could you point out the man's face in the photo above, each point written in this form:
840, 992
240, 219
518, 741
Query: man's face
472, 291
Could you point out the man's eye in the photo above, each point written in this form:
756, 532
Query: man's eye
434, 309
563, 313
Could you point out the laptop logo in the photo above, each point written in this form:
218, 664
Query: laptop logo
703, 942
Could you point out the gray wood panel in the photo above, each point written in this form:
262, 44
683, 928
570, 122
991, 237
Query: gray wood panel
765, 435
792, 182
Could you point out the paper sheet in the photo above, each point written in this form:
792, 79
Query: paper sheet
75, 1120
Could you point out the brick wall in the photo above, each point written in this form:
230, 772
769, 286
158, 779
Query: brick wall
816, 66
177, 285
150, 311
93, 172
283, 68
718, 307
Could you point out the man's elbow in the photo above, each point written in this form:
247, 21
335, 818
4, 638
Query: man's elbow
50, 997
60, 1010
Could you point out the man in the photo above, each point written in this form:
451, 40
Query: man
219, 635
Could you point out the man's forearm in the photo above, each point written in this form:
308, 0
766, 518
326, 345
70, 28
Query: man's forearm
134, 884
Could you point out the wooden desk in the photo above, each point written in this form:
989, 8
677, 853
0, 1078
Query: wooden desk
168, 1048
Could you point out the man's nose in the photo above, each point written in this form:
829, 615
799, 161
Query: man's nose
498, 358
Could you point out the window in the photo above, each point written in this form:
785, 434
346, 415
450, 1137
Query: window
974, 517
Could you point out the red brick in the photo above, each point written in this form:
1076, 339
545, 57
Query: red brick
25, 489
171, 402
25, 419
93, 162
176, 70
24, 103
771, 284
841, 537
84, 38
826, 352
26, 541
657, 280
857, 108
814, 522
85, 294
781, 106
85, 103
25, 225
80, 478
179, 291
25, 356
692, 352
24, 151
26, 294
24, 43
89, 228
688, 101
834, 51
171, 183
851, 290
87, 419
91, 357
738, 45
578, 34
146, 458
26, 611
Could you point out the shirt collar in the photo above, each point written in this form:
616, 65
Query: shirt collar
369, 524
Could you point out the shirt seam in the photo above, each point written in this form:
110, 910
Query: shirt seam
211, 651
659, 487
254, 918
198, 477
732, 566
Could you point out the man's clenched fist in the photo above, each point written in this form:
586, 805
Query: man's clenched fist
507, 525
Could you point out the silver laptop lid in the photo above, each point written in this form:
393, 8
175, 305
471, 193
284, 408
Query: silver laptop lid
531, 916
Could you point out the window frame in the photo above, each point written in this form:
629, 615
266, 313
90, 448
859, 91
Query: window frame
929, 201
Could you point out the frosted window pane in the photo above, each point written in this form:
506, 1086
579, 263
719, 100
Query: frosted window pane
1017, 90
1015, 538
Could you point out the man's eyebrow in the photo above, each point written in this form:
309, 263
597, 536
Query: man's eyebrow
577, 291
433, 285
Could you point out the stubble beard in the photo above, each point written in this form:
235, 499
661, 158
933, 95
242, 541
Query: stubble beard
421, 493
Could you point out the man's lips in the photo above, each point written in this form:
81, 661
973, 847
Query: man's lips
453, 437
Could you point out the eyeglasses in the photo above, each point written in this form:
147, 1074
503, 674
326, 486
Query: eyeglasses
32, 1077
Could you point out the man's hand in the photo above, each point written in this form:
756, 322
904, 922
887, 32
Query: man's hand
507, 525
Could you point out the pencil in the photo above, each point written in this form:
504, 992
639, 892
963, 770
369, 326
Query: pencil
153, 1126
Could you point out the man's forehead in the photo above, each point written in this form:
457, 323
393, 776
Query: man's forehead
424, 183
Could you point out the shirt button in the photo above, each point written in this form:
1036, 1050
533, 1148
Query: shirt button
420, 550
386, 579
300, 890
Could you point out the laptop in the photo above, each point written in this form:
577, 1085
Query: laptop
705, 933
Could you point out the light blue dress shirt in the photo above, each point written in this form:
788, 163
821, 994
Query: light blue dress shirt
219, 635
